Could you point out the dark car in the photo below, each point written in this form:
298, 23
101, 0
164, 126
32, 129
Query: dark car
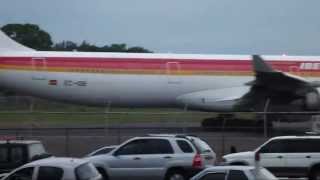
15, 153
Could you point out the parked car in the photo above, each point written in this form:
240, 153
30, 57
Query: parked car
286, 156
102, 150
55, 169
14, 153
234, 173
156, 157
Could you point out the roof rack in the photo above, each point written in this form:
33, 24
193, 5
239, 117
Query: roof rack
173, 135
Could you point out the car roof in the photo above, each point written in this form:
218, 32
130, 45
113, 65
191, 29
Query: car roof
223, 168
172, 135
58, 162
296, 137
19, 142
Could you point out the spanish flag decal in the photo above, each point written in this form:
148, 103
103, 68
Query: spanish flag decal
53, 82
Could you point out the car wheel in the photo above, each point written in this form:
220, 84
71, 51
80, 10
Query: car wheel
315, 174
176, 175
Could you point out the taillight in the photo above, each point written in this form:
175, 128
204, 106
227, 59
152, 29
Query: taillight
197, 161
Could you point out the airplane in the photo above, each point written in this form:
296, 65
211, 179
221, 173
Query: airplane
217, 83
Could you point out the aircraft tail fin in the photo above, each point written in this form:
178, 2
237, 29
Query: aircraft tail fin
7, 44
259, 65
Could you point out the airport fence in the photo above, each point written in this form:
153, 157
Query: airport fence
68, 130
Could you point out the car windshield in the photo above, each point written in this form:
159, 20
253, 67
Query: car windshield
86, 172
263, 174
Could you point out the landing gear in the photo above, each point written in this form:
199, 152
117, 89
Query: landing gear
233, 123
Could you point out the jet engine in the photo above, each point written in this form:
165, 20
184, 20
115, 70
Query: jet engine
214, 100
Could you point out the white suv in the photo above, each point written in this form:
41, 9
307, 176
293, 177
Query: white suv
156, 157
286, 156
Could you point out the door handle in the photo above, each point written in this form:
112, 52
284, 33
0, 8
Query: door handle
167, 157
308, 156
136, 158
280, 157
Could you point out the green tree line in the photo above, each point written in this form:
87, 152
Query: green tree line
33, 36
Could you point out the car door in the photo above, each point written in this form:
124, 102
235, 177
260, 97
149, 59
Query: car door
272, 156
301, 153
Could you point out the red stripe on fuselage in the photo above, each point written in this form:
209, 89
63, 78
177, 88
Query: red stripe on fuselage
148, 64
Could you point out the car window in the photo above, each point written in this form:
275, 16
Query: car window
236, 174
146, 146
86, 171
3, 155
184, 146
17, 154
103, 151
214, 176
22, 174
313, 145
133, 147
49, 173
276, 146
159, 146
202, 146
302, 146
263, 174
36, 149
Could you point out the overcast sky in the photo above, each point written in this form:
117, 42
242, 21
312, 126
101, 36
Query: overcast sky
178, 26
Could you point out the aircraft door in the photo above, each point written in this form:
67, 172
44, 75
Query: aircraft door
39, 66
173, 71
294, 70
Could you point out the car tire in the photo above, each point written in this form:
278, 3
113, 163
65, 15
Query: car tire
175, 175
315, 174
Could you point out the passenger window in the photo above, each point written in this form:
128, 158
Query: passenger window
146, 146
214, 176
313, 145
274, 147
184, 146
23, 174
298, 146
158, 146
133, 147
238, 175
50, 173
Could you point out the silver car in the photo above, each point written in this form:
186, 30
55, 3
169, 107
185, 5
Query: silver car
164, 157
234, 173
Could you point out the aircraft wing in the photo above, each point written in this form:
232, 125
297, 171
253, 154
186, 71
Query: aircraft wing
273, 84
267, 77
